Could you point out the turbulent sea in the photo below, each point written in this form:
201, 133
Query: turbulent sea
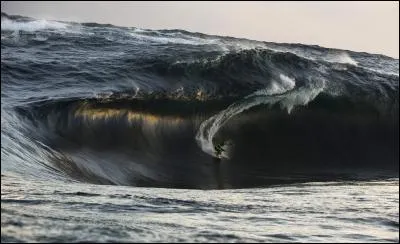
125, 134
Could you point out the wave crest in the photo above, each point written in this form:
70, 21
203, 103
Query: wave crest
31, 26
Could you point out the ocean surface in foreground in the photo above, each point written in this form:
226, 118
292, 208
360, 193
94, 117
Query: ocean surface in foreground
38, 211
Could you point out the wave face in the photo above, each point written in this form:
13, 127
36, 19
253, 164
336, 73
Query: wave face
127, 106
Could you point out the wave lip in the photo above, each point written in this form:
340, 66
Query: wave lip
298, 135
211, 126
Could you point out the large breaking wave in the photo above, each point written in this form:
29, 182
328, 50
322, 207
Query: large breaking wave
113, 105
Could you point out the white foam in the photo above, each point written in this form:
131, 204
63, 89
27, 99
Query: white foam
287, 83
275, 87
31, 26
244, 45
302, 96
343, 58
172, 39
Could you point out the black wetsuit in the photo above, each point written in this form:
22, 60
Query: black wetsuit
218, 149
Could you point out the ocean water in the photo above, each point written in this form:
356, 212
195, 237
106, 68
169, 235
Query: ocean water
310, 212
124, 134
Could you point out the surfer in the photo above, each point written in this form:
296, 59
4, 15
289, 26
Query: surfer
218, 151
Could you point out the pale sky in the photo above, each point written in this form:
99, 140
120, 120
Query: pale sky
359, 26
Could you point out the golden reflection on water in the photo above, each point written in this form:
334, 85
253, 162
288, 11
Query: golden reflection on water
89, 113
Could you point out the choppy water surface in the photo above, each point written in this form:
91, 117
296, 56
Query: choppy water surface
311, 212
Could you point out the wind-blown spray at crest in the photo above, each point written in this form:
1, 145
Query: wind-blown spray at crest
210, 127
31, 26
